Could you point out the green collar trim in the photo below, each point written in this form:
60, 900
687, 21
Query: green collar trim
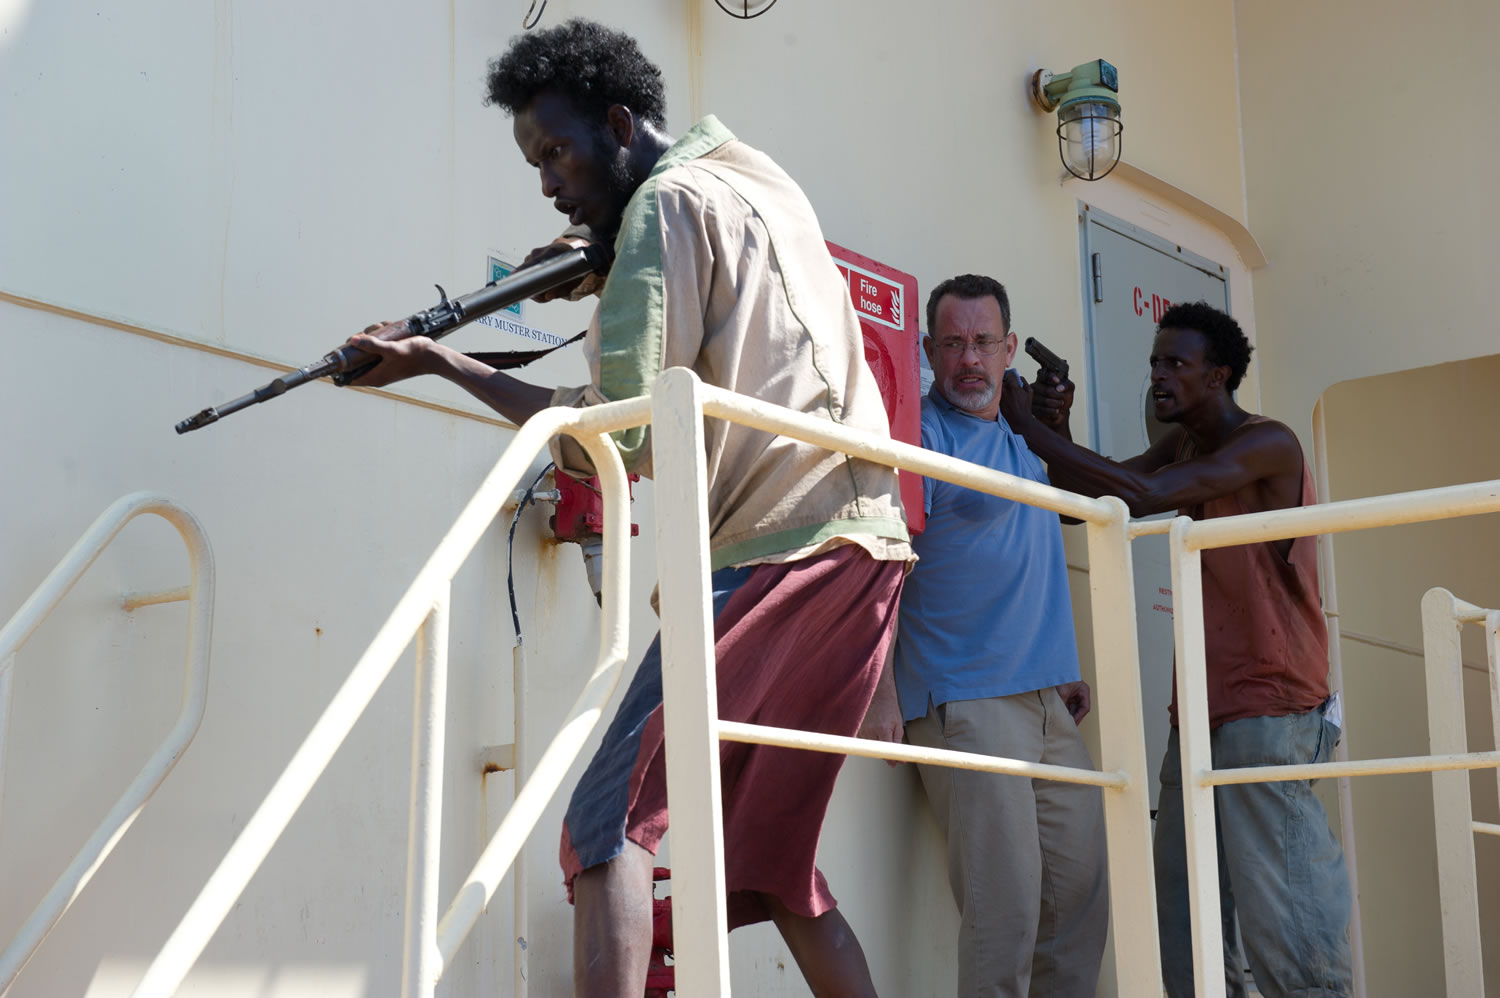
700, 140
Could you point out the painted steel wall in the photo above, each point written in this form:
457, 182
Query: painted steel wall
1375, 447
1369, 192
1369, 177
265, 178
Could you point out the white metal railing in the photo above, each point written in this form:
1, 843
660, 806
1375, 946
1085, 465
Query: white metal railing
676, 410
691, 717
1188, 540
693, 728
200, 595
422, 611
1443, 616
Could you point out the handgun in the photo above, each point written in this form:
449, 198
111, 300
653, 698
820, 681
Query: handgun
1050, 362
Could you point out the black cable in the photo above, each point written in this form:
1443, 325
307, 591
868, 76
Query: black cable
534, 21
510, 550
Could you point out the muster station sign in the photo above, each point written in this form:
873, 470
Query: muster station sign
885, 299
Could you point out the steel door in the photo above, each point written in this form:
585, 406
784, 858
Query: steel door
1130, 277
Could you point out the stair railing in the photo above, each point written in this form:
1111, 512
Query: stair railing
423, 612
200, 596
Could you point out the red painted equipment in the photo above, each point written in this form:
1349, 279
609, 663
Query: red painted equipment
660, 977
885, 299
580, 511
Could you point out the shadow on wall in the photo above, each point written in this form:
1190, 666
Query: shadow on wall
1417, 429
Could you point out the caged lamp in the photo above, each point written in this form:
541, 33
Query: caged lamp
1087, 103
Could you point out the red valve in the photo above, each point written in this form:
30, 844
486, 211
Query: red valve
580, 511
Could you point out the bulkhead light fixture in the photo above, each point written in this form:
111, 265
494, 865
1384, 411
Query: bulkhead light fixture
1087, 103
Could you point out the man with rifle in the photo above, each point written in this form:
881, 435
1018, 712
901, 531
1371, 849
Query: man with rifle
1281, 869
720, 267
986, 662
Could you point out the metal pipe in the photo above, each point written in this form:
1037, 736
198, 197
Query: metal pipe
1347, 515
1122, 747
614, 647
421, 962
134, 601
1196, 760
1375, 642
690, 692
128, 807
1452, 805
752, 412
813, 741
1492, 648
1356, 767
1468, 613
520, 875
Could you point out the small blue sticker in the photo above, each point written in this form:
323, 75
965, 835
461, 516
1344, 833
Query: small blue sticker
498, 269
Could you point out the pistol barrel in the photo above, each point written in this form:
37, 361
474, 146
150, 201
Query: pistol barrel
1048, 360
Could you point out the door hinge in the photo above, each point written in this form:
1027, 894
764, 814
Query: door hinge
1098, 279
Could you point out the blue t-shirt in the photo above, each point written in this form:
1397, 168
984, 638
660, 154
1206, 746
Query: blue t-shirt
986, 610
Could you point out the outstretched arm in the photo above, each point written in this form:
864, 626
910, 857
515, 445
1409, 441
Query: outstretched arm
1255, 452
514, 399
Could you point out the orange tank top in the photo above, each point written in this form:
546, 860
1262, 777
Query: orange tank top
1266, 638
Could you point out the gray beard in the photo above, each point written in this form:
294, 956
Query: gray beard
972, 400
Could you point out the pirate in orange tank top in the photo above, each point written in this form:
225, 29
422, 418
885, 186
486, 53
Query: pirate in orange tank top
1281, 870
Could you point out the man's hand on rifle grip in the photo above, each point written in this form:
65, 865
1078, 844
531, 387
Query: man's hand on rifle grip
399, 359
589, 284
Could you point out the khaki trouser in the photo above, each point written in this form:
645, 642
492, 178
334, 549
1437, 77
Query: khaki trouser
1026, 858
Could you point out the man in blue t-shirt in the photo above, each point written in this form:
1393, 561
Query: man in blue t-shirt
986, 662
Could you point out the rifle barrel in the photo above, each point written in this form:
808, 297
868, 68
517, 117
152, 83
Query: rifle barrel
436, 322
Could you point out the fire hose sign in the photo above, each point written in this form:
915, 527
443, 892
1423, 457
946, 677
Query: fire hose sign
880, 295
875, 298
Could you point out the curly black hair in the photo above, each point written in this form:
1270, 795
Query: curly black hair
967, 287
1227, 344
593, 66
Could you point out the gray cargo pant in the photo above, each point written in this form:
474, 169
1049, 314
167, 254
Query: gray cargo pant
1026, 858
1281, 870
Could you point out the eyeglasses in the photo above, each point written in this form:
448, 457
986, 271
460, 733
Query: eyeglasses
985, 346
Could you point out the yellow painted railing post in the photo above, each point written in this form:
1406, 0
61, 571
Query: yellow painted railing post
13, 635
1492, 648
1122, 748
1197, 763
422, 964
690, 699
1453, 811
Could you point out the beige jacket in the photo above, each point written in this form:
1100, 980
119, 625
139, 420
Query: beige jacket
720, 266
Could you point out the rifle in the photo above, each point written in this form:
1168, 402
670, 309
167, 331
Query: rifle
1050, 362
347, 363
